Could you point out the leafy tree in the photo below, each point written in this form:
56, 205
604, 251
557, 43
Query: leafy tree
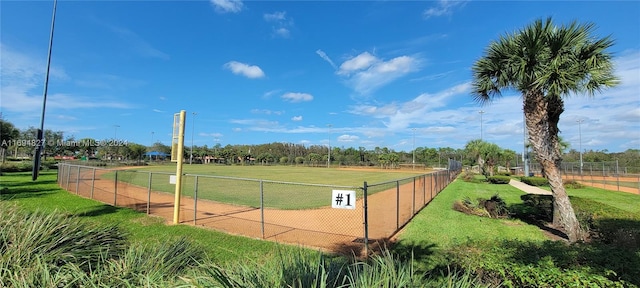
8, 134
315, 158
136, 151
546, 63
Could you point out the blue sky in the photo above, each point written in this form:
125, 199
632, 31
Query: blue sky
352, 74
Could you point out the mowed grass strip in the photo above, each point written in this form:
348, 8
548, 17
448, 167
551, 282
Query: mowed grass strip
438, 224
281, 184
45, 195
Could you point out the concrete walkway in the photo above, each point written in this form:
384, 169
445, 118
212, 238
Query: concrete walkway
528, 188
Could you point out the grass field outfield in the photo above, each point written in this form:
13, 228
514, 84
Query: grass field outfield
246, 192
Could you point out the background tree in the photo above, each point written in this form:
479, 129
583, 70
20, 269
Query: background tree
546, 63
8, 134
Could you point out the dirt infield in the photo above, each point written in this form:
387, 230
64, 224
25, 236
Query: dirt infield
603, 182
334, 230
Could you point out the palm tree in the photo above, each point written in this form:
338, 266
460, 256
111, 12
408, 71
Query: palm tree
546, 63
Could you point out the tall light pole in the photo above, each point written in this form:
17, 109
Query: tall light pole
115, 131
413, 161
329, 154
40, 133
152, 138
580, 141
481, 112
193, 125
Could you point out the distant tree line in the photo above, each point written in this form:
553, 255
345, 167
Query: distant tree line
17, 144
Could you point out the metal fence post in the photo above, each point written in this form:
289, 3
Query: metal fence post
115, 190
262, 208
366, 221
78, 181
149, 193
397, 205
604, 177
195, 200
68, 176
93, 182
413, 201
434, 186
617, 175
424, 190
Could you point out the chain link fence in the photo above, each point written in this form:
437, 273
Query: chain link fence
297, 213
607, 175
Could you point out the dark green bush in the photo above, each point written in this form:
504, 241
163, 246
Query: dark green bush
539, 207
499, 179
535, 181
572, 184
513, 263
16, 167
494, 207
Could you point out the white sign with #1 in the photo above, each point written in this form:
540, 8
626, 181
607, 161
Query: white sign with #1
343, 199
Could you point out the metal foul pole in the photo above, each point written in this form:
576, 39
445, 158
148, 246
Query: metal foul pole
179, 159
40, 133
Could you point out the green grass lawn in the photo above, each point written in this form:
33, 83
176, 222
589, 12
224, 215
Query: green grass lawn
279, 185
439, 224
44, 194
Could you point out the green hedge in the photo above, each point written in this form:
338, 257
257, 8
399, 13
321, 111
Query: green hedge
535, 181
26, 166
499, 179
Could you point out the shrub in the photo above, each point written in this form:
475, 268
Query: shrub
572, 184
16, 166
466, 206
535, 181
467, 176
499, 179
494, 207
540, 207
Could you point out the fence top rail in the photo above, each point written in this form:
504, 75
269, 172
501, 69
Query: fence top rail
83, 166
273, 181
407, 178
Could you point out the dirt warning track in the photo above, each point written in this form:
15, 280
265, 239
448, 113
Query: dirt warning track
334, 230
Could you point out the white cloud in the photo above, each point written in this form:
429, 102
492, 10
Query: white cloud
348, 138
214, 135
268, 94
249, 71
282, 32
297, 97
227, 6
266, 111
275, 16
416, 111
444, 7
360, 62
281, 24
21, 86
366, 73
326, 58
296, 118
157, 111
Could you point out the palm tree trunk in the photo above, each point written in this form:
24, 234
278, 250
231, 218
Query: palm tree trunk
542, 115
